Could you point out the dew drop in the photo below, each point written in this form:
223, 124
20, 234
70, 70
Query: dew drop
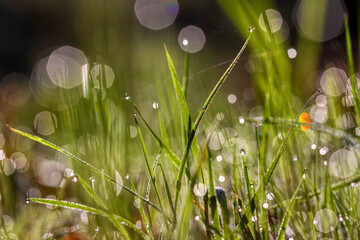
221, 178
219, 158
242, 152
127, 97
240, 210
295, 158
253, 218
251, 29
266, 205
241, 120
325, 163
313, 146
74, 179
155, 105
353, 184
197, 218
323, 150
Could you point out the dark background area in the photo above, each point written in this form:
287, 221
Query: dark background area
28, 28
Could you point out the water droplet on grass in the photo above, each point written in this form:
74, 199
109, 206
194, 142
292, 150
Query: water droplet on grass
242, 152
241, 120
155, 105
221, 178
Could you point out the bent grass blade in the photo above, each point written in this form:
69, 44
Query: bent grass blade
72, 156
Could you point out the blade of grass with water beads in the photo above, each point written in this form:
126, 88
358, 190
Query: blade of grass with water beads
81, 207
72, 156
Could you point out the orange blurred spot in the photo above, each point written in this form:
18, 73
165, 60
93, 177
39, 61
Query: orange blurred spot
305, 118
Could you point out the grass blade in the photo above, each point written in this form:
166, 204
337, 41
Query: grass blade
285, 220
175, 160
201, 115
167, 189
353, 80
186, 74
72, 156
91, 192
115, 219
184, 110
148, 164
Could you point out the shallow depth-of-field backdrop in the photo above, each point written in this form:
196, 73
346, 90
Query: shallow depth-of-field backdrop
179, 119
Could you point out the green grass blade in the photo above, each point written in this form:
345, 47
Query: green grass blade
175, 160
186, 74
201, 115
285, 220
72, 156
115, 219
167, 189
148, 164
91, 192
353, 80
155, 164
65, 204
184, 110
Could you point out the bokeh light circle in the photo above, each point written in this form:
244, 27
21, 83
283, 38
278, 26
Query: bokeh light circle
325, 220
333, 81
343, 163
102, 76
45, 123
65, 67
274, 18
191, 39
156, 14
320, 20
200, 189
49, 95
